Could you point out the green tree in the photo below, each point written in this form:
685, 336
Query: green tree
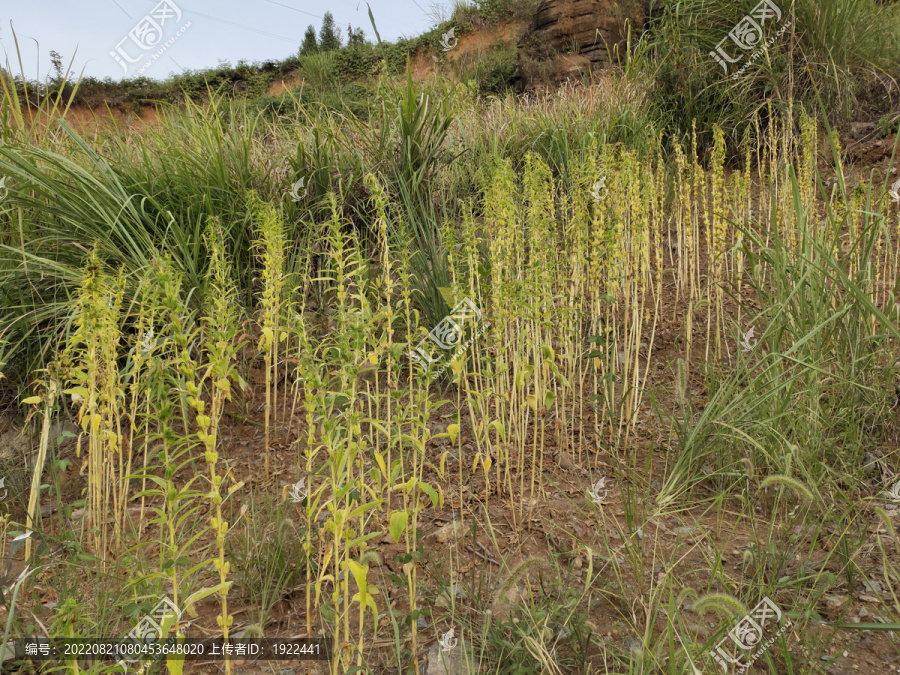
310, 44
329, 37
355, 36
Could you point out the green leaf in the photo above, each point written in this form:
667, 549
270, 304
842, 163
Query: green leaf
549, 399
359, 540
399, 520
372, 19
428, 490
447, 294
197, 596
523, 376
501, 430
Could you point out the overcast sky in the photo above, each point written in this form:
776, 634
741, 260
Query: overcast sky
207, 32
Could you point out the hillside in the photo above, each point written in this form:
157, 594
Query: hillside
552, 341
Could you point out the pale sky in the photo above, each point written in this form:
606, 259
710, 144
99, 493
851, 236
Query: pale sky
229, 30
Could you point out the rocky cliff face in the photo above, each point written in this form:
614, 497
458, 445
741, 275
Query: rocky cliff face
571, 37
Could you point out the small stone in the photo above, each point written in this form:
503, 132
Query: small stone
872, 586
450, 531
443, 600
863, 613
869, 598
835, 602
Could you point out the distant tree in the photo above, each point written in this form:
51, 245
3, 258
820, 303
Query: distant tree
310, 44
56, 62
329, 37
355, 37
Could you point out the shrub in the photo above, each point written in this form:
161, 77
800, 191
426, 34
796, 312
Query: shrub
494, 72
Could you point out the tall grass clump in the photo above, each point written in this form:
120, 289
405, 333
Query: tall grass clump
845, 48
820, 370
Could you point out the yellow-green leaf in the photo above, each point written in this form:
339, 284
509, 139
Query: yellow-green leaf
501, 430
359, 572
381, 465
399, 520
197, 596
